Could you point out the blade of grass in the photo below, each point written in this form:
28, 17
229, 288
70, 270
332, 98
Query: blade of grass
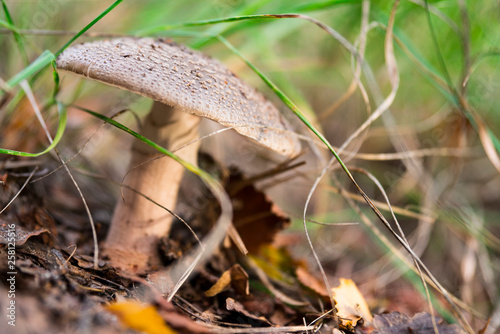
439, 54
20, 189
60, 130
322, 5
192, 168
41, 62
460, 100
18, 37
465, 46
88, 26
298, 113
251, 8
178, 273
434, 10
321, 25
157, 29
440, 83
31, 97
38, 64
9, 26
48, 57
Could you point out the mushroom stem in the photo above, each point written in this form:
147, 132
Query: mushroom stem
138, 224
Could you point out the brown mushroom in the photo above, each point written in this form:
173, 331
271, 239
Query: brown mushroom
185, 84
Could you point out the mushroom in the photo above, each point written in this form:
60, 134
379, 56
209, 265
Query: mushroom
184, 84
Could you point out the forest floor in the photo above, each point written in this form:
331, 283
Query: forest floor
53, 286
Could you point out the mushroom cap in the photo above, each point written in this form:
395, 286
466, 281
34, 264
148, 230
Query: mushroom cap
178, 76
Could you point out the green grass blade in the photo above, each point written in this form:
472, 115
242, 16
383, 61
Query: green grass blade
43, 60
18, 37
185, 164
287, 101
322, 5
47, 57
88, 26
299, 114
251, 8
161, 28
60, 131
9, 26
239, 15
177, 272
439, 81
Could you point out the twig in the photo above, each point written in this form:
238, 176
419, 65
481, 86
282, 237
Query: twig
27, 89
20, 190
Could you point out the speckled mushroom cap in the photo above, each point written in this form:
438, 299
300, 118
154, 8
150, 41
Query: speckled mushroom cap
178, 76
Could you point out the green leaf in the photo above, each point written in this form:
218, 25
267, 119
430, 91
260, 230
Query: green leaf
60, 130
43, 60
88, 26
17, 36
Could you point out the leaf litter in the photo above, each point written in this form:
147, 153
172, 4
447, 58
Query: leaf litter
269, 291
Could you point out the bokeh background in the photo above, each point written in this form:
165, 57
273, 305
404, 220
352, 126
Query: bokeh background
425, 150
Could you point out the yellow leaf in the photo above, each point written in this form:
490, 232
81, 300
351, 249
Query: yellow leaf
141, 317
350, 304
236, 277
219, 286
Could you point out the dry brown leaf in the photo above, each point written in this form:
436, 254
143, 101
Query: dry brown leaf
233, 305
310, 281
239, 280
219, 286
256, 217
24, 132
350, 304
236, 277
12, 233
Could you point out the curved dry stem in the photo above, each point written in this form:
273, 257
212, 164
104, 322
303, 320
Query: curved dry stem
358, 61
180, 271
80, 150
20, 189
366, 9
29, 93
429, 278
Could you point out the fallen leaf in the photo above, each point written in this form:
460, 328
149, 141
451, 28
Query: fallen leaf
421, 323
233, 305
12, 233
86, 261
277, 263
350, 304
219, 286
255, 216
256, 219
239, 280
23, 132
264, 279
236, 277
141, 317
311, 281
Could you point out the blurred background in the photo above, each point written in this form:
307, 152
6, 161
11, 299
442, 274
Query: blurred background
427, 149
